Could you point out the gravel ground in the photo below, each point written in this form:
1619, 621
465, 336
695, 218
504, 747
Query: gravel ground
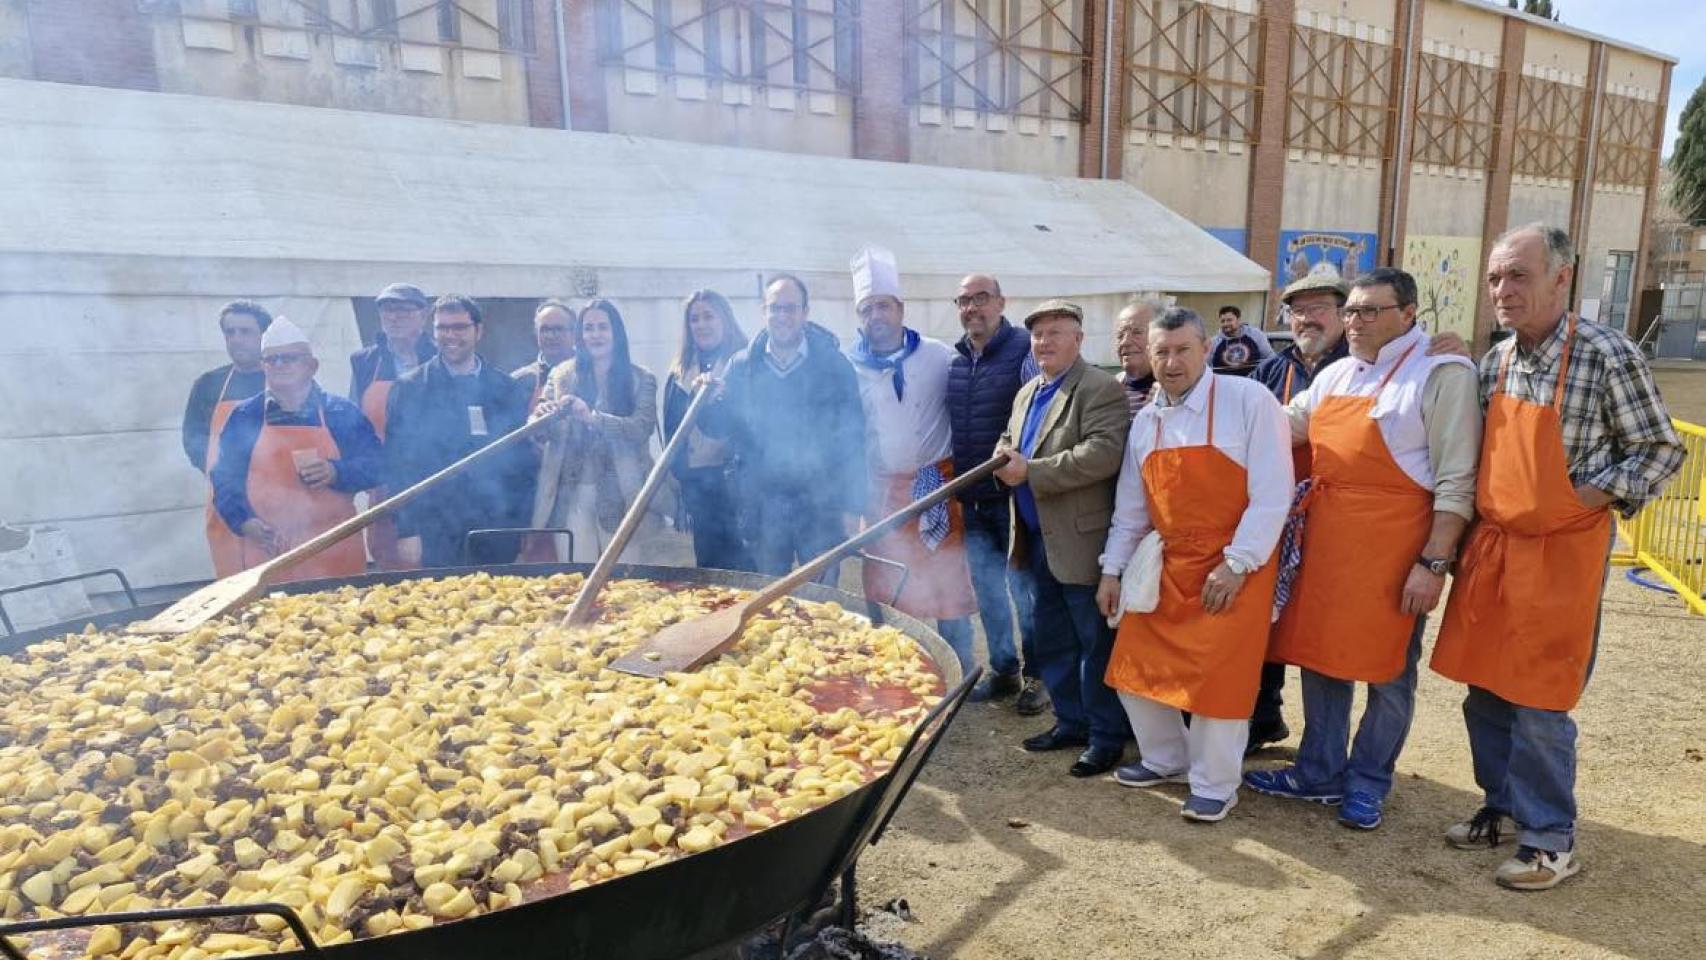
1001, 855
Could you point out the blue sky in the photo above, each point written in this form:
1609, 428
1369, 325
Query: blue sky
1675, 27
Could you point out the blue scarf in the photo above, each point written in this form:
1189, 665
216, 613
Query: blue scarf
862, 355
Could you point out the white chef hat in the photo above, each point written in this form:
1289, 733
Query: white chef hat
874, 274
282, 333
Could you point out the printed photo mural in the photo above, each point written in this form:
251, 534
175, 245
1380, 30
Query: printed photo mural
1447, 270
1320, 251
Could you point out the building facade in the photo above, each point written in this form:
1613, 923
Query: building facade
1353, 133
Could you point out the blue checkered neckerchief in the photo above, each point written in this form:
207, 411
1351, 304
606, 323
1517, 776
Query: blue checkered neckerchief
933, 524
1291, 545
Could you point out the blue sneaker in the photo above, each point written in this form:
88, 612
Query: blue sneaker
1361, 810
1135, 774
1286, 783
1204, 810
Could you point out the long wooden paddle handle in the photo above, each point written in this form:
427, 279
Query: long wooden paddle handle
585, 601
821, 562
362, 520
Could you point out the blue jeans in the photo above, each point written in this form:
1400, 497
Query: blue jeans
1073, 641
1321, 758
987, 529
790, 530
1525, 760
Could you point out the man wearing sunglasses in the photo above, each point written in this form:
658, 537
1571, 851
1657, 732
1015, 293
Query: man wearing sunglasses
291, 460
1395, 436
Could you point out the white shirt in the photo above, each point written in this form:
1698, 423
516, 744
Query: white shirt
1249, 427
1399, 409
903, 435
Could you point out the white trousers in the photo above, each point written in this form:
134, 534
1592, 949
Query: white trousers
1212, 750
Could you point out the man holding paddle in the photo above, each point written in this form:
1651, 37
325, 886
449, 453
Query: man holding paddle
903, 384
291, 460
1063, 442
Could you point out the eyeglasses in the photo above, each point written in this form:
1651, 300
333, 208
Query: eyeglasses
1368, 313
1315, 311
285, 359
783, 309
462, 327
978, 299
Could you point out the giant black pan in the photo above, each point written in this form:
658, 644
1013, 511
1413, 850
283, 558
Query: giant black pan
695, 906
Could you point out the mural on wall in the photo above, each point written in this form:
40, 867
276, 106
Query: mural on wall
1447, 270
1237, 238
1302, 252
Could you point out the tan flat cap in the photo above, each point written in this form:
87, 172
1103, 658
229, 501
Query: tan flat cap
1064, 308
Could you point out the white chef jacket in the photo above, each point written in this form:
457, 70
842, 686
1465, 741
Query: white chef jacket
903, 435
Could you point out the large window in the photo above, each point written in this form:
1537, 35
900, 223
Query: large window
803, 44
1019, 57
1614, 298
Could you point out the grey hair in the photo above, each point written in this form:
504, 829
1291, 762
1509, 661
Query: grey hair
1178, 318
1560, 249
1154, 304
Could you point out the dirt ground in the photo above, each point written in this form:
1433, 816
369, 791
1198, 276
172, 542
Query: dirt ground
1684, 390
1001, 855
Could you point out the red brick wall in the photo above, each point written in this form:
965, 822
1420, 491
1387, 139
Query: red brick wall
588, 109
882, 120
544, 78
1496, 218
105, 43
1267, 160
1090, 142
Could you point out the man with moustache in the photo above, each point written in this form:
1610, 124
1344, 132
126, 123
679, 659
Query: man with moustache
1064, 440
982, 380
1131, 344
903, 384
1314, 307
1575, 430
443, 410
1394, 434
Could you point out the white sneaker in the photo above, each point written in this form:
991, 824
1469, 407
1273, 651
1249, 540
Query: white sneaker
1487, 829
1536, 869
1204, 810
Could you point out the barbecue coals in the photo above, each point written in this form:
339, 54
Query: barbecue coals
840, 943
386, 758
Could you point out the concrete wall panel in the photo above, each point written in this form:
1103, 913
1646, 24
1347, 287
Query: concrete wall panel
1209, 187
1463, 26
1320, 195
1376, 12
1629, 68
1560, 51
688, 108
15, 58
1532, 202
1446, 205
1616, 225
1011, 151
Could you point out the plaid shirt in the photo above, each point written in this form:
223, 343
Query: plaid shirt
1617, 431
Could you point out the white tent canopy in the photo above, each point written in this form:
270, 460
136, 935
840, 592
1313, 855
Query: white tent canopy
127, 218
305, 201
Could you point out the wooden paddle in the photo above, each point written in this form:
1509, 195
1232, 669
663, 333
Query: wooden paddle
689, 644
585, 606
222, 596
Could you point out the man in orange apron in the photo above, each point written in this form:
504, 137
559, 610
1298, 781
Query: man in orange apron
1395, 434
1575, 429
1203, 468
903, 388
400, 347
291, 460
215, 394
1315, 306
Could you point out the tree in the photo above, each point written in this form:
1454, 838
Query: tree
1539, 8
1688, 162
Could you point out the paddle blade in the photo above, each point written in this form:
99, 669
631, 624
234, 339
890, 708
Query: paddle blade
214, 600
684, 646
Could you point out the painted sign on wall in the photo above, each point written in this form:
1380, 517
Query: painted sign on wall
1302, 252
1447, 270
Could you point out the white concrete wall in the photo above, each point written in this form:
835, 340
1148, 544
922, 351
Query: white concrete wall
1211, 187
648, 104
967, 138
1533, 201
1446, 203
1332, 193
1615, 225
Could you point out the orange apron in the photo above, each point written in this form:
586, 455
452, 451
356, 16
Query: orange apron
1300, 455
1367, 522
382, 534
1523, 610
938, 582
224, 544
298, 512
1179, 655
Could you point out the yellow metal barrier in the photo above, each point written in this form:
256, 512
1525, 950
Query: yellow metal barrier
1668, 536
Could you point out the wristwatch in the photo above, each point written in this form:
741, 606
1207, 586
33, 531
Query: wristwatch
1438, 567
